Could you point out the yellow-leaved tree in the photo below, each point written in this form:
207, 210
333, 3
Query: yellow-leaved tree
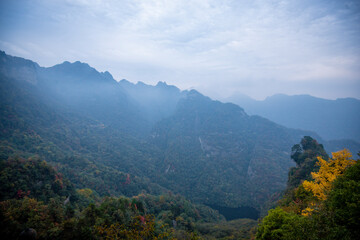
328, 172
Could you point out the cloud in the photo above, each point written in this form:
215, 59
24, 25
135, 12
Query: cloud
217, 46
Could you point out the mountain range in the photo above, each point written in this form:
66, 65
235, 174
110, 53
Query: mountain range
121, 138
331, 119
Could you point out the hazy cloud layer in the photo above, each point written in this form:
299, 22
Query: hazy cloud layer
256, 47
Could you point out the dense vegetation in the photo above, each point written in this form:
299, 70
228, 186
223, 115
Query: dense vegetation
209, 145
325, 206
32, 178
100, 133
49, 204
83, 155
305, 156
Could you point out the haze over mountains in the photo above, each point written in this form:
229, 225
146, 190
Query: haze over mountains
102, 133
331, 119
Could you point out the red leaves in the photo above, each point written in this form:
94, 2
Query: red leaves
142, 219
21, 194
128, 180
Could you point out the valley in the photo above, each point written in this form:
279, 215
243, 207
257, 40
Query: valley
185, 157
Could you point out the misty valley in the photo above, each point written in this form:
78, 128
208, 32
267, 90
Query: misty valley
83, 156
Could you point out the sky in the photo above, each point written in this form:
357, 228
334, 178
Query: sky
218, 47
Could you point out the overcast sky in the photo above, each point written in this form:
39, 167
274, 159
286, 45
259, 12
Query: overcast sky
219, 47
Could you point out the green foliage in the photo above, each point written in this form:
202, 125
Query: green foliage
83, 124
235, 229
333, 216
344, 200
89, 127
32, 178
86, 215
305, 156
139, 228
122, 217
17, 215
175, 210
209, 145
34, 120
279, 224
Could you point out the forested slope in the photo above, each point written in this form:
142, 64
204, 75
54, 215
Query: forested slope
321, 200
123, 140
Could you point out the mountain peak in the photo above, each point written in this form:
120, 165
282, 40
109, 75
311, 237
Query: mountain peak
107, 75
140, 83
164, 85
160, 83
77, 72
18, 68
66, 65
193, 93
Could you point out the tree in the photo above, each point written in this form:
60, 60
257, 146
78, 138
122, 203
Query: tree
305, 156
328, 172
140, 228
326, 208
307, 149
344, 200
279, 224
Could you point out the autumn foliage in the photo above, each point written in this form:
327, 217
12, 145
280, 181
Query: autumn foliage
329, 171
326, 207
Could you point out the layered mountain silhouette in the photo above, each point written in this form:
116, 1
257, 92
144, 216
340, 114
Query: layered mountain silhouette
331, 119
121, 138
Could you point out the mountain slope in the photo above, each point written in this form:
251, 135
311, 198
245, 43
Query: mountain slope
217, 154
89, 152
94, 95
156, 102
331, 119
123, 139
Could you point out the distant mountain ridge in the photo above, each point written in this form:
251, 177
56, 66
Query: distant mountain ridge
124, 138
157, 101
331, 119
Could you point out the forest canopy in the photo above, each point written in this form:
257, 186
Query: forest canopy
326, 207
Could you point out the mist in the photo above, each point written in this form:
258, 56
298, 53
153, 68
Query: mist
198, 119
290, 47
